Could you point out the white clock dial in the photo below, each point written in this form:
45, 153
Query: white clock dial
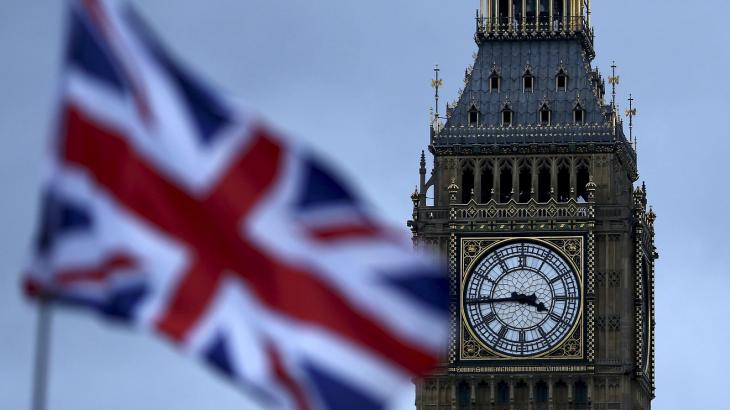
522, 299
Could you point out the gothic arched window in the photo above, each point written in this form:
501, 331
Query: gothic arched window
473, 116
431, 394
582, 178
541, 394
560, 396
503, 14
507, 116
487, 188
445, 394
563, 181
482, 394
525, 183
544, 14
494, 81
561, 80
463, 395
522, 395
505, 183
502, 393
467, 184
579, 114
528, 82
580, 396
558, 14
530, 13
544, 182
545, 115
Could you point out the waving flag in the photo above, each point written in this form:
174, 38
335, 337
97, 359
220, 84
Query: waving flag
172, 209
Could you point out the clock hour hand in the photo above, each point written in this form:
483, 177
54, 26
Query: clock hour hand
530, 300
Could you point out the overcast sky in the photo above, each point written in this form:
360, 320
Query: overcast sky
352, 77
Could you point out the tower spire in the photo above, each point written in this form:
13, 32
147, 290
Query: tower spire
436, 83
614, 81
631, 113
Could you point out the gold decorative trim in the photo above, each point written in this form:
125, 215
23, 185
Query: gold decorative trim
522, 369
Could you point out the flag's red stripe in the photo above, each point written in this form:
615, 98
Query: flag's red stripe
98, 273
190, 300
343, 232
211, 228
286, 380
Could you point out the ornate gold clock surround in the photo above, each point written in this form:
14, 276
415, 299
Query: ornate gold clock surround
573, 347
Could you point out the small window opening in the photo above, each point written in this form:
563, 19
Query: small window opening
528, 83
464, 393
482, 393
545, 115
467, 185
581, 395
505, 185
579, 115
504, 12
494, 83
502, 393
473, 116
487, 185
507, 117
522, 395
541, 392
445, 395
544, 184
563, 184
432, 395
560, 396
525, 185
544, 14
562, 81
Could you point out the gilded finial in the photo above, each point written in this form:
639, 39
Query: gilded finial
631, 113
453, 188
591, 187
436, 83
651, 217
614, 80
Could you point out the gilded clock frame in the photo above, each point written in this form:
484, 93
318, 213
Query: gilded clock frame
573, 248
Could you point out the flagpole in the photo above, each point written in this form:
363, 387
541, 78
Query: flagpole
42, 345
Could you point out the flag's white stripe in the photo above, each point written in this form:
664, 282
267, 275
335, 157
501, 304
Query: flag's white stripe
238, 311
115, 231
195, 169
356, 268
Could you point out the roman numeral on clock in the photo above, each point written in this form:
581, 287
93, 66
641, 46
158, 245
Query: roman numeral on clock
502, 332
556, 279
556, 318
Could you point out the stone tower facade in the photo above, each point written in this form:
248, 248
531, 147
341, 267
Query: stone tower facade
550, 245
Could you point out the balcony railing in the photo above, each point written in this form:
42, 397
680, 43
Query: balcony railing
493, 211
489, 26
603, 133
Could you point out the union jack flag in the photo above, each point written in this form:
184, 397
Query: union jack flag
171, 208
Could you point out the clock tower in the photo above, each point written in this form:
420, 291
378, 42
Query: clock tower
533, 200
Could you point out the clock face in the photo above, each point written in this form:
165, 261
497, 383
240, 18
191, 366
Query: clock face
522, 299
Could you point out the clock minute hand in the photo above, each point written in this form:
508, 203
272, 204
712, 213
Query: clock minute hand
488, 300
514, 298
530, 300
